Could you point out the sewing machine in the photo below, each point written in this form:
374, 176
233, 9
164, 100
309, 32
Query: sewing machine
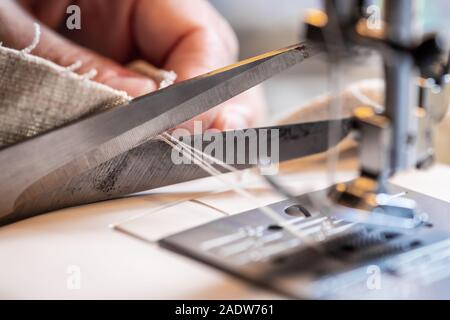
368, 238
366, 225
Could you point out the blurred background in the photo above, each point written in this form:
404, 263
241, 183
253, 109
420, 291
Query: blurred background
263, 25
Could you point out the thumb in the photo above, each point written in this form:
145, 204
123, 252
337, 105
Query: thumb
19, 31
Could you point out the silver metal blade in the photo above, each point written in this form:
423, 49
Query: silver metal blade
88, 143
150, 166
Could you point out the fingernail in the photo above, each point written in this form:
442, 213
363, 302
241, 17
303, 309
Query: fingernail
134, 86
233, 121
240, 109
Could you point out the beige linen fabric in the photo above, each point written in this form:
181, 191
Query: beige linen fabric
37, 95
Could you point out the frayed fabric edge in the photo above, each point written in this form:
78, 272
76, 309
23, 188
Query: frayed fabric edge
68, 71
166, 78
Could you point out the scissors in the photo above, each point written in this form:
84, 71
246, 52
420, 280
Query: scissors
114, 153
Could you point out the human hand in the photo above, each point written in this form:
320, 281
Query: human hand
189, 37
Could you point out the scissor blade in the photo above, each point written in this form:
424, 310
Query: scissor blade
151, 165
95, 140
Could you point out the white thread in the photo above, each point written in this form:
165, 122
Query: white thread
90, 74
36, 39
201, 154
209, 206
334, 131
74, 66
186, 151
209, 157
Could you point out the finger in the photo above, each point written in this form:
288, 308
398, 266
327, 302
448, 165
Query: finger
19, 32
243, 111
188, 37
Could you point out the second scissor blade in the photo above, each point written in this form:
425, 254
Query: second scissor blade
103, 136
